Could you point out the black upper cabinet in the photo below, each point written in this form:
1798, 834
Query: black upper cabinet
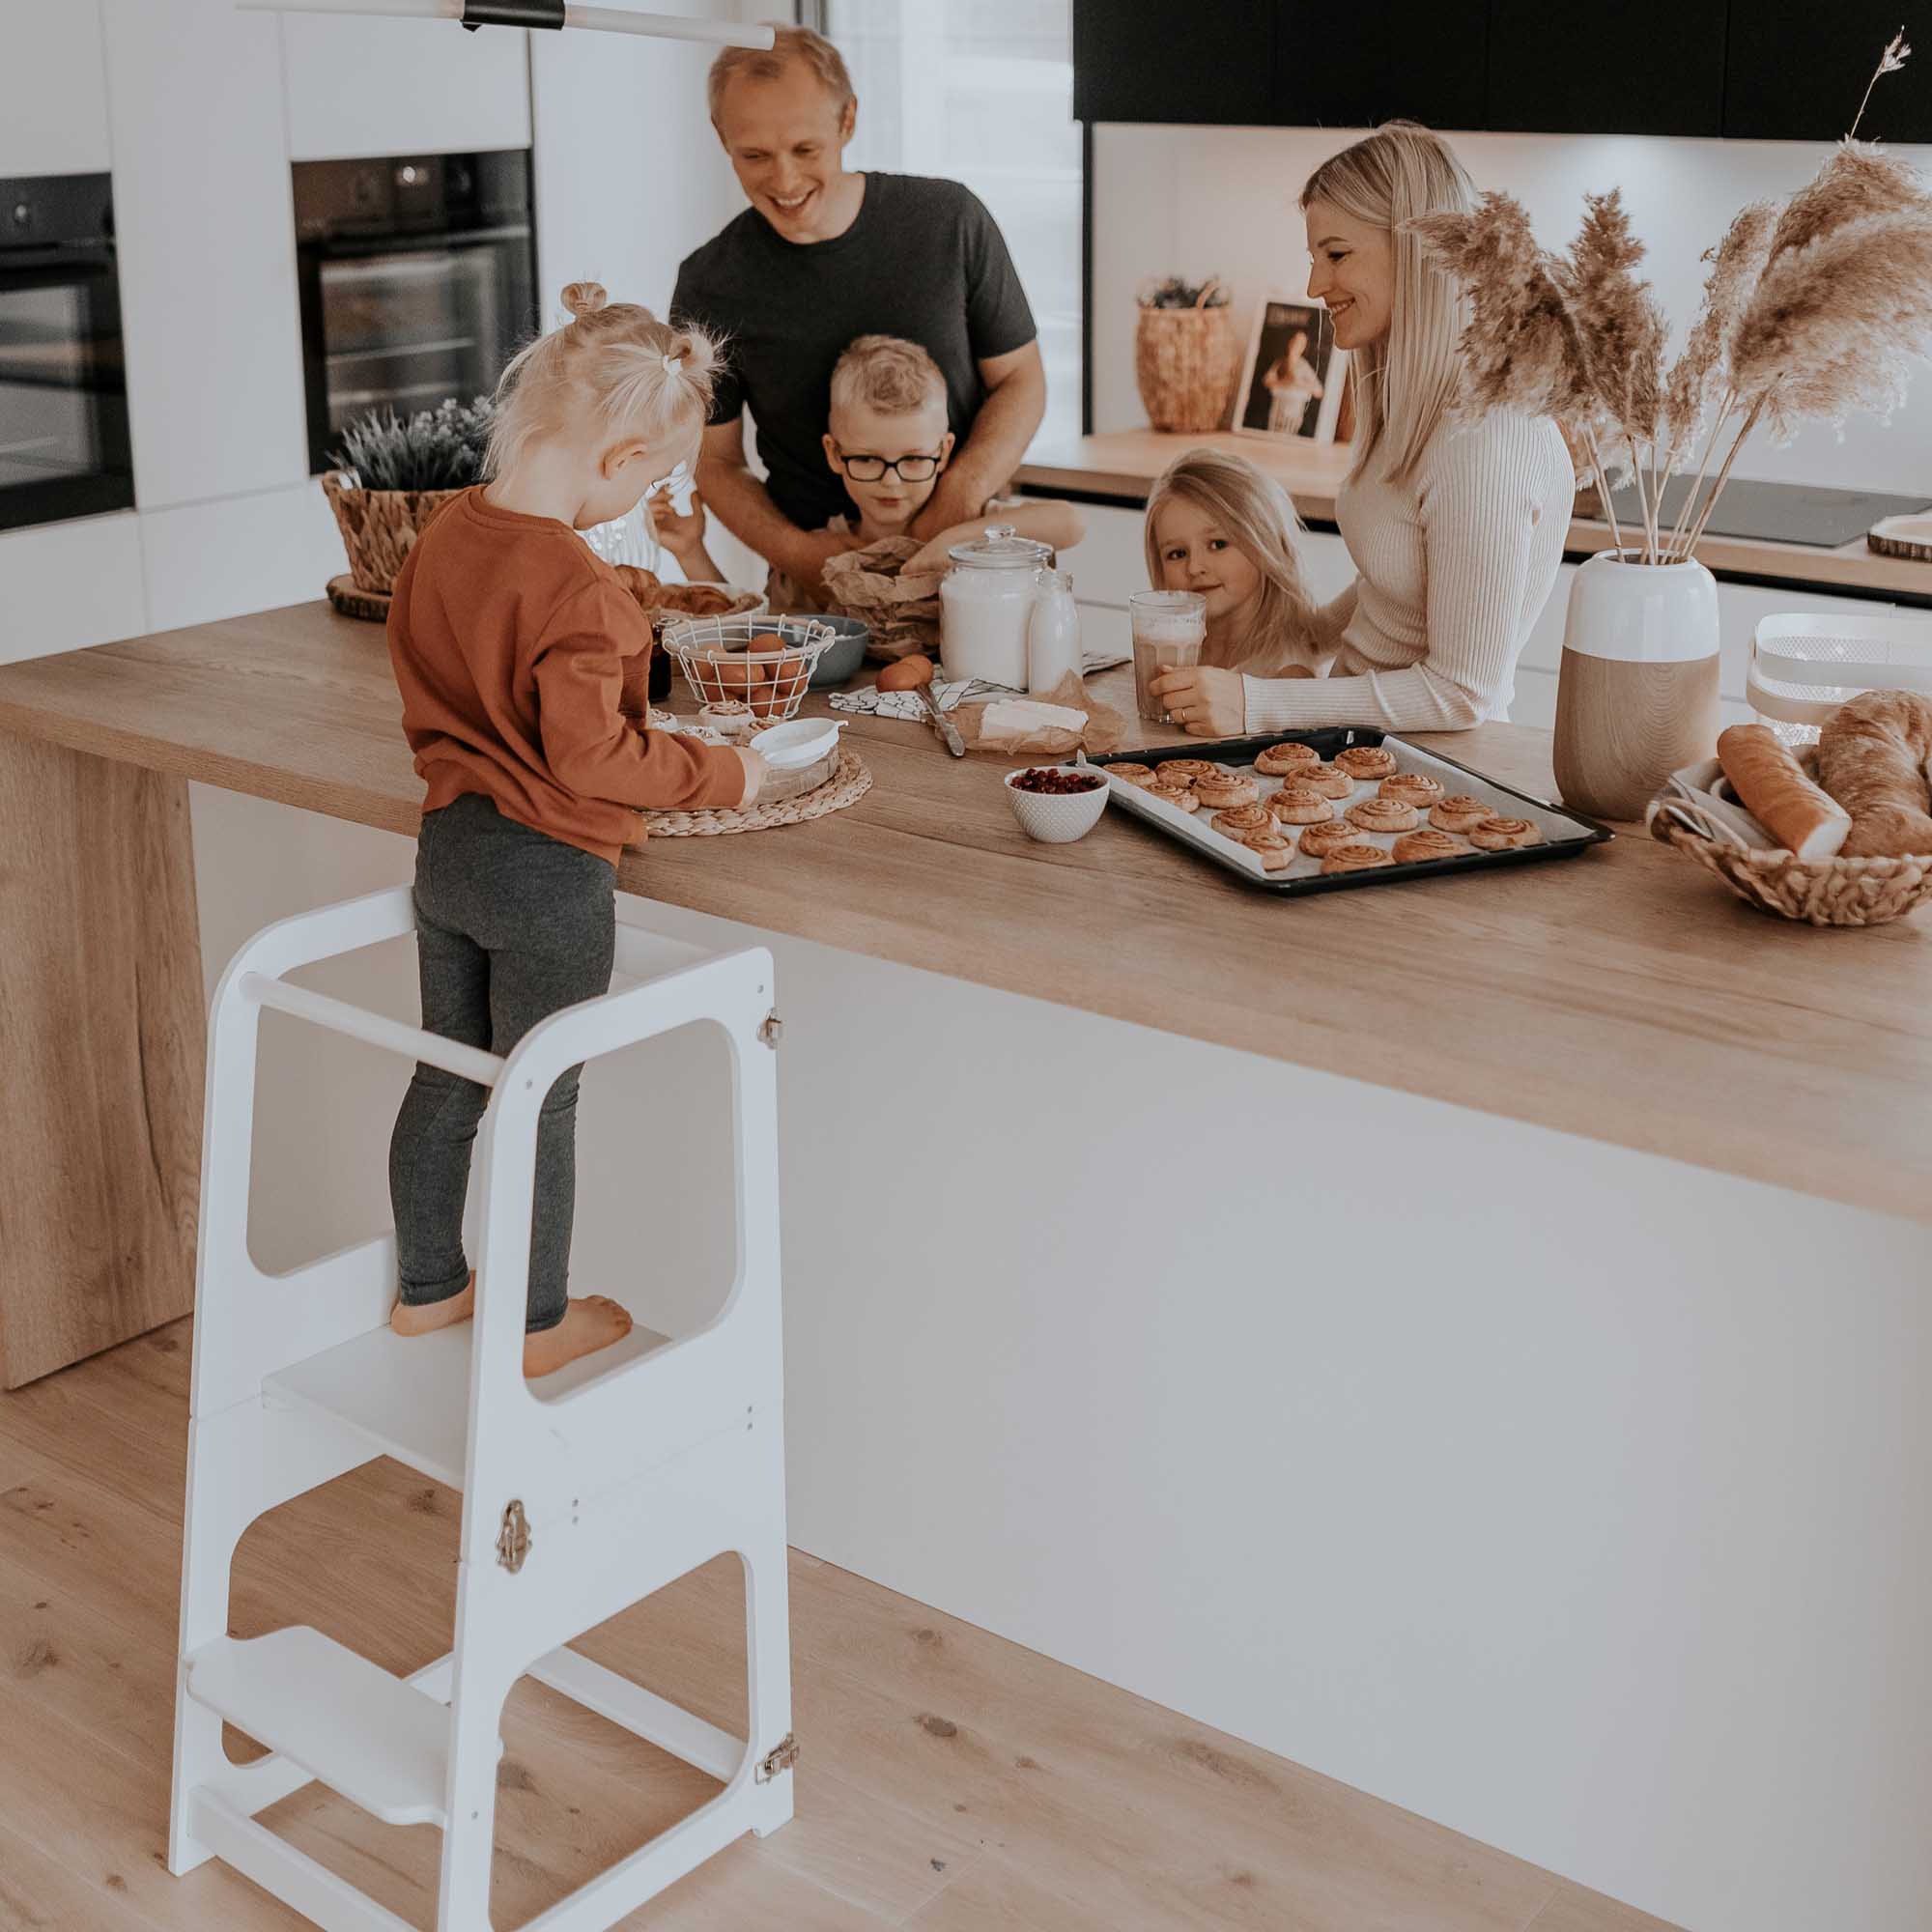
1655, 67
1362, 62
1797, 70
1187, 61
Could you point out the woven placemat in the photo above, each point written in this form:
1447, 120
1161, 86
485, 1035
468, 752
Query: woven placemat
849, 783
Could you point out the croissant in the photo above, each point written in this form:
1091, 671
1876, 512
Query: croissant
1872, 759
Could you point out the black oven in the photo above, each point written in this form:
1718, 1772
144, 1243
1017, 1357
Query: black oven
419, 282
63, 388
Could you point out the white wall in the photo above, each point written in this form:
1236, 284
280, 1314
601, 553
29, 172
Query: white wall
1222, 200
53, 103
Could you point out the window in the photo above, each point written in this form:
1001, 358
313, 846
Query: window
981, 92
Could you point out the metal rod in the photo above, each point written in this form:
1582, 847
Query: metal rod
593, 19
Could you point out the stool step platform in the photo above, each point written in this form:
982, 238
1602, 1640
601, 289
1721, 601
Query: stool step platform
409, 1396
377, 1740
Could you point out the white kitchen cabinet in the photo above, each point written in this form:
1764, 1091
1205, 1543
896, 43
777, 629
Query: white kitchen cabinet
67, 585
207, 250
363, 86
53, 89
206, 561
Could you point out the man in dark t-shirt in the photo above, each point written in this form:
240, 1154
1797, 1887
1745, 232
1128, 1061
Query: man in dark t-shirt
821, 256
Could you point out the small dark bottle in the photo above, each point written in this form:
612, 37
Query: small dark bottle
660, 676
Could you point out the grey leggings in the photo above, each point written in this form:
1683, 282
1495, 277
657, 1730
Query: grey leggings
511, 926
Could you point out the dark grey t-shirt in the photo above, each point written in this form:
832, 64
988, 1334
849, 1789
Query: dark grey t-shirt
924, 259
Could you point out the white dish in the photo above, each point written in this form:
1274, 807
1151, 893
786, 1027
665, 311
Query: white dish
800, 742
1056, 818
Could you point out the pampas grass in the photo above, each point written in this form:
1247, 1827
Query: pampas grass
1809, 312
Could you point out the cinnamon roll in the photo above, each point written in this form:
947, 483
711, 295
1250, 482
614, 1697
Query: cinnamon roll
1241, 819
1319, 841
1134, 775
1457, 812
1498, 835
1186, 771
1274, 849
1222, 789
1417, 787
1355, 859
1327, 780
1365, 761
1412, 847
1300, 805
1276, 762
1384, 814
1178, 795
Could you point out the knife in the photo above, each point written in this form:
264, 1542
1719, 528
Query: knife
948, 731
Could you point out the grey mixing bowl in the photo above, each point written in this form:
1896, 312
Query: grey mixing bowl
844, 654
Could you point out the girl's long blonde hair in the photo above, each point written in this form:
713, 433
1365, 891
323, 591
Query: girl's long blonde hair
615, 362
1404, 384
1255, 513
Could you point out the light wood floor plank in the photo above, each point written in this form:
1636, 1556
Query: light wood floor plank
951, 1781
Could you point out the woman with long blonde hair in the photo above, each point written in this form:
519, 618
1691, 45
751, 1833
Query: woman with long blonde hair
1217, 525
1456, 529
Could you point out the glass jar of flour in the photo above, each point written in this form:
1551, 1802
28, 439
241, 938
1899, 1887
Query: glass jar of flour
986, 604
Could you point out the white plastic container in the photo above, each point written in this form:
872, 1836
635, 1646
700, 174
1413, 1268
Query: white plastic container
1053, 633
1804, 665
985, 607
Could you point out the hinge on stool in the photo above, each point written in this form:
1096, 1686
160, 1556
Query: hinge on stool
782, 1756
513, 1540
772, 1030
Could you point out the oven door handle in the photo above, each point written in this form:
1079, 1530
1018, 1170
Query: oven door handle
374, 248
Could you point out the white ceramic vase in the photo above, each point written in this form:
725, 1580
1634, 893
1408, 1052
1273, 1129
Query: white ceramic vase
1636, 697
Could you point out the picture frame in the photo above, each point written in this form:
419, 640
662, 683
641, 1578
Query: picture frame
1293, 375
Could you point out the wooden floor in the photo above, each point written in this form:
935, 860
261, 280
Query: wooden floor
951, 1783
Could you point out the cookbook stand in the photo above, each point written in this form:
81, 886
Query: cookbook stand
655, 1457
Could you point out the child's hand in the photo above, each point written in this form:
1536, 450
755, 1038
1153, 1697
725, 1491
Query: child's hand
683, 536
1203, 701
755, 769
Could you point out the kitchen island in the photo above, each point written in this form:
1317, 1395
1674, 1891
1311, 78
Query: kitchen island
1467, 1336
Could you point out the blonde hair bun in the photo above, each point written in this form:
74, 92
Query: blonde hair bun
584, 297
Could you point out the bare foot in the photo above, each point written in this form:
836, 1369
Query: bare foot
594, 1322
426, 1316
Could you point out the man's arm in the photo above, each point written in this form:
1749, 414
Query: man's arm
745, 507
1015, 405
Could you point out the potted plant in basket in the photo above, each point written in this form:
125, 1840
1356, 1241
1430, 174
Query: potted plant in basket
1811, 309
393, 474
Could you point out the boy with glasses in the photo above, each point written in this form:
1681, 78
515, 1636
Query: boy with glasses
887, 439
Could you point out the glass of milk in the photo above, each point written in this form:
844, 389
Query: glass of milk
1168, 628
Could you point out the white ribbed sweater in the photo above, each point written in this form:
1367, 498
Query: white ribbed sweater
1454, 568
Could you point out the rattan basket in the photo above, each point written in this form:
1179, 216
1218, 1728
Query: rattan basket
1186, 361
1820, 891
378, 526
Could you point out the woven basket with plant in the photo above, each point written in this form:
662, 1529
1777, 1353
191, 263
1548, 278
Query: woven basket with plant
1185, 356
393, 474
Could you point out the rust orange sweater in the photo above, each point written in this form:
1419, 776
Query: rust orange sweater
511, 641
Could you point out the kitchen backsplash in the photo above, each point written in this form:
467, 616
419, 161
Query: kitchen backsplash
1222, 200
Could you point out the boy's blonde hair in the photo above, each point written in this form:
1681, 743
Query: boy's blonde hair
1403, 385
614, 361
886, 373
1255, 513
788, 44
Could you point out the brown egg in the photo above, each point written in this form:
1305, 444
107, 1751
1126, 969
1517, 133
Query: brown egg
906, 674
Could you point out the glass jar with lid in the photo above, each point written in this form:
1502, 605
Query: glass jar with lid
985, 601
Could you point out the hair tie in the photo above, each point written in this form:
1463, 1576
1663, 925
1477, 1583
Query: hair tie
671, 361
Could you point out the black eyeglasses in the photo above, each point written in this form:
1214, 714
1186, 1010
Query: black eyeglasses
907, 468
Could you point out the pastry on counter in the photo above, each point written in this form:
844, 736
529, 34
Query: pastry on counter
1414, 847
1365, 761
1384, 814
1873, 760
1176, 795
1355, 859
1457, 812
1772, 786
1277, 761
1186, 771
1501, 835
1319, 841
1226, 788
1133, 774
1274, 849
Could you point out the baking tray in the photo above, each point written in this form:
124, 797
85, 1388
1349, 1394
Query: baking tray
1565, 833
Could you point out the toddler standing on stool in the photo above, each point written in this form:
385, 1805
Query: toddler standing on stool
512, 645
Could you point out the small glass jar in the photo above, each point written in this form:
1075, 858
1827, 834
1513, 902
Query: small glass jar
1053, 633
986, 604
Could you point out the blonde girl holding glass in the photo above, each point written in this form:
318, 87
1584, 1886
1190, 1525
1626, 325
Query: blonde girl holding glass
1456, 529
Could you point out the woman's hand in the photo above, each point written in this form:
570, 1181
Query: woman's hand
1205, 701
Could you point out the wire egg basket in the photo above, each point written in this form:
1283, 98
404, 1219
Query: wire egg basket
1805, 665
750, 659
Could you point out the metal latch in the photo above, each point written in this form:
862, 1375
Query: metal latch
513, 1540
772, 1030
784, 1755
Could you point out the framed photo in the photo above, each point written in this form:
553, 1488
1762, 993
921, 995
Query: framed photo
1293, 378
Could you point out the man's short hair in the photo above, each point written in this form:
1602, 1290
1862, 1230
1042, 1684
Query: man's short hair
788, 44
888, 374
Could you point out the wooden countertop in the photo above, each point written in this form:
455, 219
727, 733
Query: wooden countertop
1121, 467
1621, 995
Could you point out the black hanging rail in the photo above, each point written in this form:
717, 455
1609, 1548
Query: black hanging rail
548, 14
